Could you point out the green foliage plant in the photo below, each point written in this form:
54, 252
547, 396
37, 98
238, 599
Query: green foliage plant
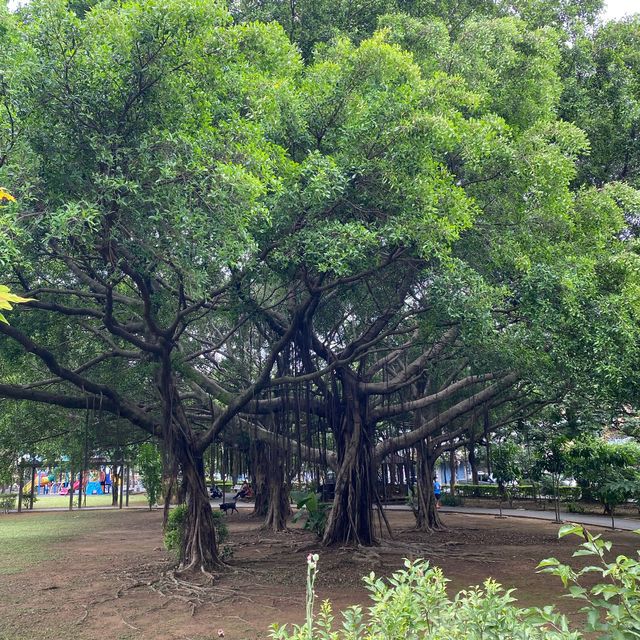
608, 471
175, 529
313, 512
447, 500
150, 465
612, 607
7, 502
504, 464
413, 604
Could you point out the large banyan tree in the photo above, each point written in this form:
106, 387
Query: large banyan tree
222, 239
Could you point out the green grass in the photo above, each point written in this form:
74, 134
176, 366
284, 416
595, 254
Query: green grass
30, 538
52, 502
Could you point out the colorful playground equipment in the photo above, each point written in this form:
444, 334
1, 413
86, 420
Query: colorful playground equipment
44, 480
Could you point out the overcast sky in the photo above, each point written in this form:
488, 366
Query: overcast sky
614, 8
620, 8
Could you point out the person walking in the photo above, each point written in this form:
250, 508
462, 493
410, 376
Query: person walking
437, 490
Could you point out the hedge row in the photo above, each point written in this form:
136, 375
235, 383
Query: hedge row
522, 492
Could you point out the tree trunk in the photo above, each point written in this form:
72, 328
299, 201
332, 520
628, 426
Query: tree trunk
279, 508
473, 463
452, 472
350, 519
270, 486
169, 481
425, 510
260, 473
199, 549
115, 485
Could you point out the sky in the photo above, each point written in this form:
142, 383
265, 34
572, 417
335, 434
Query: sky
614, 9
620, 8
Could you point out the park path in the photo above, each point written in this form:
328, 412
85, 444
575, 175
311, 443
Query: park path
621, 523
625, 524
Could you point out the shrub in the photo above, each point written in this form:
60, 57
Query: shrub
612, 608
477, 490
175, 528
520, 492
447, 500
7, 502
575, 507
414, 604
313, 512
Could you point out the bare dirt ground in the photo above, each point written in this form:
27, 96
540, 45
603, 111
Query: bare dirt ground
105, 586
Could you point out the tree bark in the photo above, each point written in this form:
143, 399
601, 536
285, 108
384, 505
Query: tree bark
271, 487
260, 473
425, 510
452, 472
199, 549
278, 508
350, 519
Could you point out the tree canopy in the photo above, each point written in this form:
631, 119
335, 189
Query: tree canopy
341, 241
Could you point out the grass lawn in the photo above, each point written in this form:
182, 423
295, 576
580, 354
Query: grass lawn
27, 539
52, 502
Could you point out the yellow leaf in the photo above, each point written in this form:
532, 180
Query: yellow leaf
6, 297
5, 195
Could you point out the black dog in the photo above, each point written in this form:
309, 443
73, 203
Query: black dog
228, 506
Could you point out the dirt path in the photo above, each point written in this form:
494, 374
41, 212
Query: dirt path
100, 591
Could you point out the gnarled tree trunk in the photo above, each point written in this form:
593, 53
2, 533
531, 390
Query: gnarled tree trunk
271, 486
425, 509
350, 519
198, 549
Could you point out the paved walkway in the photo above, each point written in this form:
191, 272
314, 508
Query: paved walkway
626, 524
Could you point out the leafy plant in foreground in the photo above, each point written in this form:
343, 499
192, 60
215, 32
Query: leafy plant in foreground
413, 604
613, 607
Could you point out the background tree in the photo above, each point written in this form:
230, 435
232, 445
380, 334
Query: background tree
149, 464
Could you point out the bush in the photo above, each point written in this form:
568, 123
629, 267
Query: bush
313, 512
519, 492
414, 604
572, 494
175, 528
612, 608
150, 464
447, 500
477, 490
575, 507
7, 502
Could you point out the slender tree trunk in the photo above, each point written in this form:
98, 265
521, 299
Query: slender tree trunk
115, 484
473, 463
452, 472
350, 519
20, 487
425, 511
